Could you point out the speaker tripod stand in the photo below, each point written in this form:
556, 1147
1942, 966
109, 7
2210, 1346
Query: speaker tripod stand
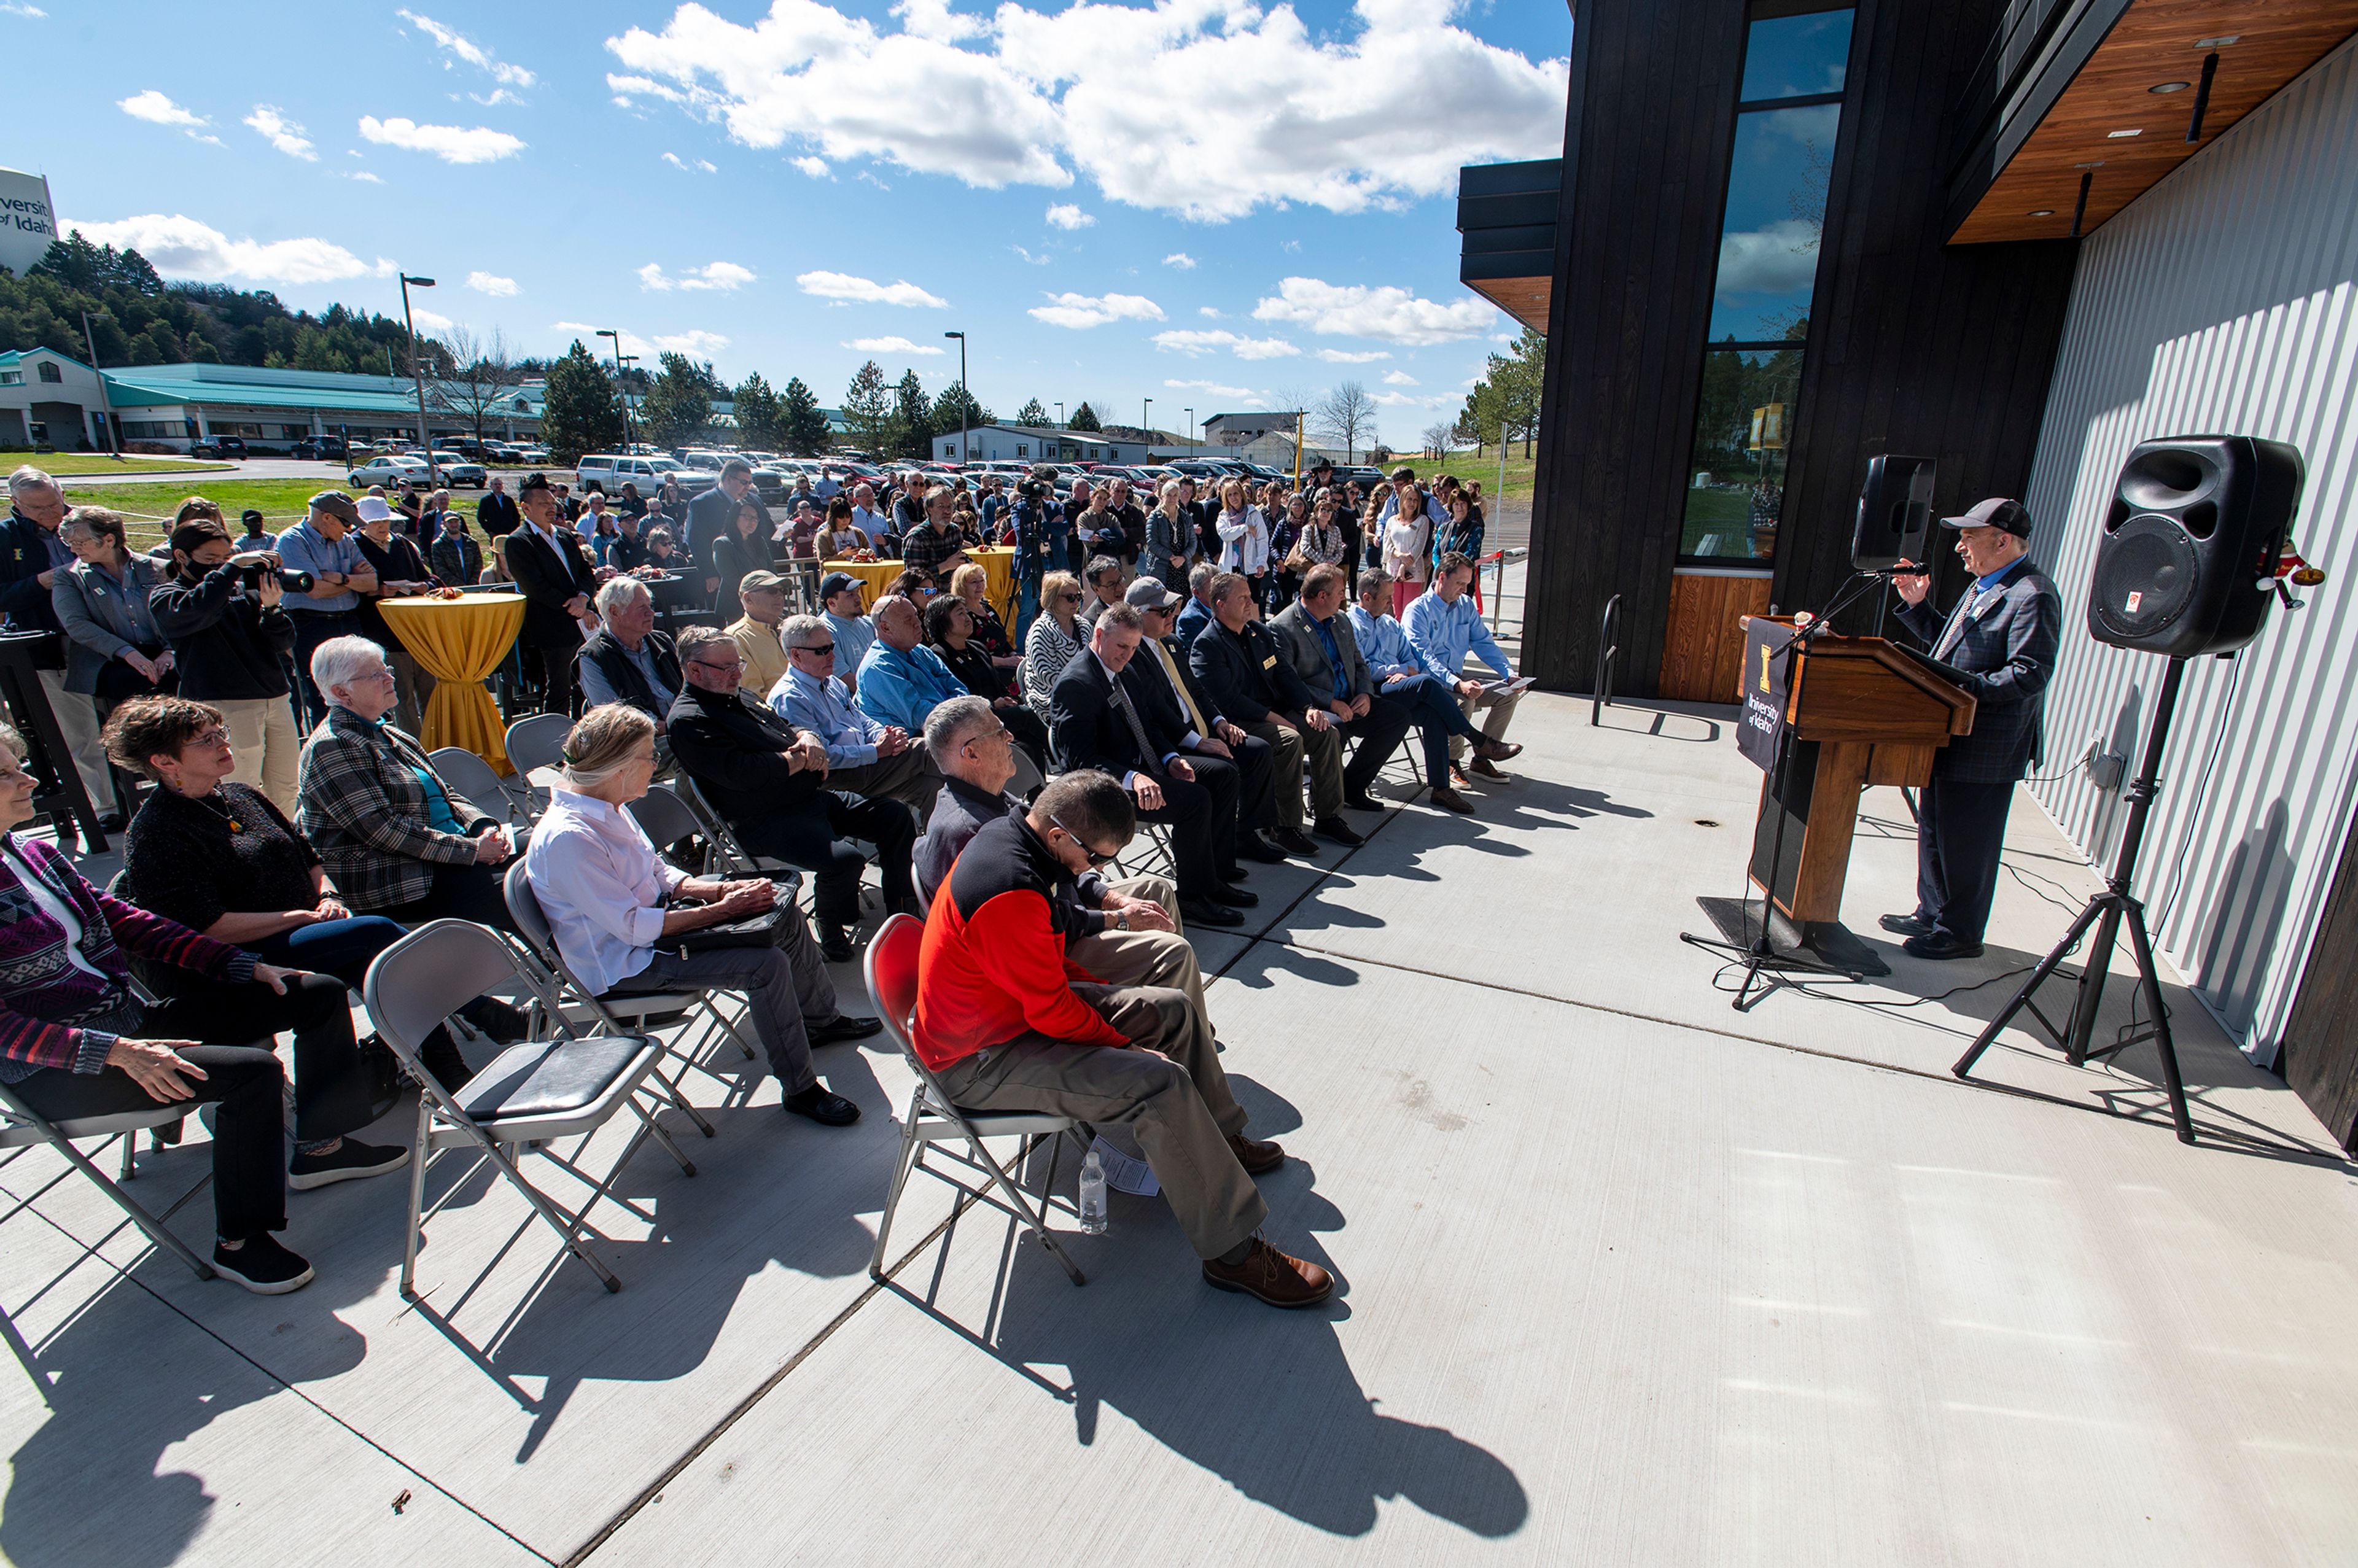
2105, 912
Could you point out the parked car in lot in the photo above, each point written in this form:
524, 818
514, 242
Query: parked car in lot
220, 447
321, 448
611, 471
388, 468
457, 470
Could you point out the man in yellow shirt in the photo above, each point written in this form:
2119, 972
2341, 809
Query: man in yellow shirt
764, 595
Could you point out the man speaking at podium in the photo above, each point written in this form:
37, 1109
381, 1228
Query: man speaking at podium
2002, 638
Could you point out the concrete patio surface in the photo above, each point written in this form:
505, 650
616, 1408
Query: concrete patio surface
1626, 1276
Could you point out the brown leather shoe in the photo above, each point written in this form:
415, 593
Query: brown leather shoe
1258, 1157
1271, 1276
1481, 767
1450, 800
1491, 751
1457, 776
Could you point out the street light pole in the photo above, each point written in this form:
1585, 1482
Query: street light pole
417, 375
621, 392
1191, 432
966, 398
626, 362
1146, 428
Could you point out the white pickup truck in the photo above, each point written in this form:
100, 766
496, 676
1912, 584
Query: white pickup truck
610, 470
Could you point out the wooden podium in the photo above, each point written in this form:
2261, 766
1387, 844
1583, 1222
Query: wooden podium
1857, 711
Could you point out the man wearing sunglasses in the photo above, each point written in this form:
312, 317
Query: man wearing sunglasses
1007, 1021
876, 761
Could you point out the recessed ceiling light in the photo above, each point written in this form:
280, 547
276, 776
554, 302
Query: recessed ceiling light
2168, 87
2043, 212
2219, 43
2123, 136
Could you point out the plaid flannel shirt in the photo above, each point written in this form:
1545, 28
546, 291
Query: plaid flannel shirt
365, 811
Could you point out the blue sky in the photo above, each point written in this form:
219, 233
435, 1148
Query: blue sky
1202, 204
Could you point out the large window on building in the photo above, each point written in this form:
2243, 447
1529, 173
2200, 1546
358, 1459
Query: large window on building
1795, 60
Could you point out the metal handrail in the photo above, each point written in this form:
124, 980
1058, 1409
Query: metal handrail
1607, 651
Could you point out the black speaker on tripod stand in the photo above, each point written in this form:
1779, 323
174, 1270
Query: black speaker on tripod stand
2189, 563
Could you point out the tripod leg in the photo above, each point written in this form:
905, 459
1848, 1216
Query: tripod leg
2089, 997
2142, 945
2101, 903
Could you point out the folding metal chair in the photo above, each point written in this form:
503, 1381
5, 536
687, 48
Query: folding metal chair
610, 1012
21, 1127
734, 856
485, 790
530, 1094
538, 741
932, 1121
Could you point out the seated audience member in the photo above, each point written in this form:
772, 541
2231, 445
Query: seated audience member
396, 840
614, 908
1444, 627
626, 551
401, 572
76, 1042
1325, 656
875, 760
1241, 664
1401, 675
1196, 614
971, 584
629, 661
1008, 1021
756, 632
840, 607
769, 781
1094, 722
457, 556
230, 639
1055, 640
1104, 580
901, 680
217, 857
1126, 932
949, 632
1161, 681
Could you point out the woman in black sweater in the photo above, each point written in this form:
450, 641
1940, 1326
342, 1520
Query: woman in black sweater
949, 629
217, 857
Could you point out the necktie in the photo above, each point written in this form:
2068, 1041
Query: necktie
1148, 759
1186, 701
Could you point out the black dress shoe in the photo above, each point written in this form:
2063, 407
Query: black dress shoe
842, 1026
1294, 841
501, 1021
1363, 801
1256, 846
1906, 925
823, 1106
834, 943
1201, 912
111, 823
1236, 897
1940, 945
1338, 830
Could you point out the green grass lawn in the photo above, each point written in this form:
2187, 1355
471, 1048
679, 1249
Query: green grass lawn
148, 508
1468, 464
72, 463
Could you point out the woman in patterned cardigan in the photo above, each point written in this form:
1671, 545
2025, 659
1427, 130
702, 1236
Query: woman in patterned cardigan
76, 1042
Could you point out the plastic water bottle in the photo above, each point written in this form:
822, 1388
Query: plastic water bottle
1093, 1195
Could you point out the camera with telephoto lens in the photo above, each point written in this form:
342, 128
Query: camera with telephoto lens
290, 581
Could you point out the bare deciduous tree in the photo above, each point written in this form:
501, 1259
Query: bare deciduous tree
1345, 414
482, 373
1437, 436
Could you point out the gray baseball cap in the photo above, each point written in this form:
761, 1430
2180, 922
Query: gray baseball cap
1994, 512
1148, 594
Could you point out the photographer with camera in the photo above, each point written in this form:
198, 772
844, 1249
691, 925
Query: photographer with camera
1043, 540
221, 614
329, 607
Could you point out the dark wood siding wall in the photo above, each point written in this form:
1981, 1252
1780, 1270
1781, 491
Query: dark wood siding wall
1914, 346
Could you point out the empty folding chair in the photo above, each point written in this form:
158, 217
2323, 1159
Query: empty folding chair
932, 1121
538, 741
472, 777
612, 1012
533, 1093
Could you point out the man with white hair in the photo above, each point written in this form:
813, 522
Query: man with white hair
864, 516
629, 661
872, 760
31, 556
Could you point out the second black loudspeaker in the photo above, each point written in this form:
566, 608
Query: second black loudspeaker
2187, 564
1895, 513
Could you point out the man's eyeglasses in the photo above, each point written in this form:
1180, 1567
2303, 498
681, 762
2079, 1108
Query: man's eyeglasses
719, 663
1096, 859
815, 649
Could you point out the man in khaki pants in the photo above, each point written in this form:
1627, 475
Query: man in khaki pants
1007, 1022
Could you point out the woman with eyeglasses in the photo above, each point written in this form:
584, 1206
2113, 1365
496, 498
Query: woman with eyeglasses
949, 630
1053, 642
971, 584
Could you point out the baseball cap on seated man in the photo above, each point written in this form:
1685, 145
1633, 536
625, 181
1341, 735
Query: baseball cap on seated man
834, 583
1999, 513
761, 582
1148, 594
336, 503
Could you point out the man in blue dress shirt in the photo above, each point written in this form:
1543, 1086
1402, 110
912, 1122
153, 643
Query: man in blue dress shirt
323, 544
1400, 675
901, 680
1444, 626
873, 759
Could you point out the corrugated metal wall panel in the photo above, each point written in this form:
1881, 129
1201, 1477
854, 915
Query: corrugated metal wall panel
2224, 300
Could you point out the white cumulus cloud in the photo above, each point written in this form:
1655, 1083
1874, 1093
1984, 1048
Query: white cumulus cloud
1065, 215
158, 109
432, 320
814, 166
1775, 260
719, 275
466, 48
1399, 378
183, 247
892, 346
1082, 310
691, 343
32, 13
491, 283
866, 291
1348, 357
452, 144
1389, 314
680, 163
1216, 389
1199, 107
1196, 343
1181, 260
282, 133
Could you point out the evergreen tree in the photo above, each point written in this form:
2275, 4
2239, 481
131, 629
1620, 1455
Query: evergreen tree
761, 423
1086, 418
867, 411
679, 404
913, 419
804, 425
582, 413
954, 401
1031, 414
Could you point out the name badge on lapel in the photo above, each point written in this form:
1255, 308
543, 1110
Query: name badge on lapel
1269, 663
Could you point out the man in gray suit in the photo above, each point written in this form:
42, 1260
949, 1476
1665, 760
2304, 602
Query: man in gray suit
1318, 642
2003, 635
